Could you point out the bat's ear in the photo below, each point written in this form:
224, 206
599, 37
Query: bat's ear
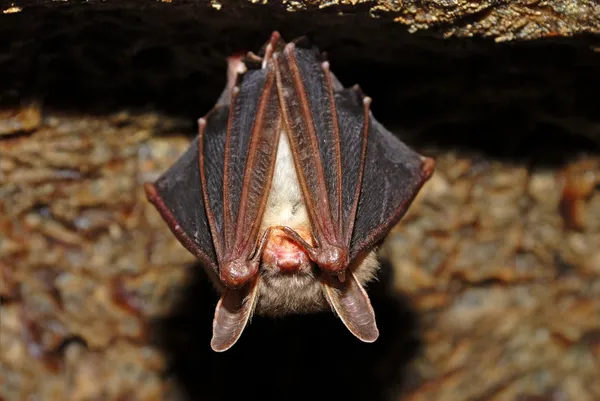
235, 68
352, 304
232, 314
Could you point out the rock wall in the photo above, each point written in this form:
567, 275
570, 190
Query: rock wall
491, 284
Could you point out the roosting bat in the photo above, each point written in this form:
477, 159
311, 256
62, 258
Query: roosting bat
286, 192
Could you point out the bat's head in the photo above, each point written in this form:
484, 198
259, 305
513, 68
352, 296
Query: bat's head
284, 256
291, 281
303, 289
288, 282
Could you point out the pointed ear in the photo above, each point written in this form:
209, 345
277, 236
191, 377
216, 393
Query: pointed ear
232, 314
235, 67
352, 304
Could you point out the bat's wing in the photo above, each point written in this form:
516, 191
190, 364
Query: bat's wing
178, 198
214, 196
310, 118
239, 198
190, 199
378, 191
392, 174
329, 153
252, 131
250, 153
357, 178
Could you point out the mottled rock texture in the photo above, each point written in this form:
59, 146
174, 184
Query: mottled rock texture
490, 290
502, 20
491, 284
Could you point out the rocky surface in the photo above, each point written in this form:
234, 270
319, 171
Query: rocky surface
502, 20
502, 264
490, 291
105, 57
491, 284
84, 269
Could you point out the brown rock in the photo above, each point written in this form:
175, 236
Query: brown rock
83, 271
507, 320
506, 291
498, 256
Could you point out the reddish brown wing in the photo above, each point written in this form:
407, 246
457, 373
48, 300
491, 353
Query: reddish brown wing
392, 175
250, 148
252, 137
260, 163
358, 178
201, 195
309, 119
253, 130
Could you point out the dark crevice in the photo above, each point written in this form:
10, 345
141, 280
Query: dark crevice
469, 93
296, 358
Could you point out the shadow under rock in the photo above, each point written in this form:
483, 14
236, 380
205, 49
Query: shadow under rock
293, 358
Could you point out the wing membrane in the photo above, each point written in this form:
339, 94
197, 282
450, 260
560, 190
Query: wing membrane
211, 145
358, 178
259, 166
305, 139
178, 198
242, 117
394, 174
316, 82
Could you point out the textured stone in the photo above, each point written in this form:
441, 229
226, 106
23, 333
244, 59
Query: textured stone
84, 271
98, 301
507, 20
501, 316
491, 286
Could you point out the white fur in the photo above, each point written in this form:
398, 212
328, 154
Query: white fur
285, 205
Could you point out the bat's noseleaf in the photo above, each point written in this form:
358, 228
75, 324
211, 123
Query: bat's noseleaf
352, 304
232, 314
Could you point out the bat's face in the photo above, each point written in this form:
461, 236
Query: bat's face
290, 281
283, 293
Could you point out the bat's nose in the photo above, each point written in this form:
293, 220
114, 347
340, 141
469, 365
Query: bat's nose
285, 255
291, 262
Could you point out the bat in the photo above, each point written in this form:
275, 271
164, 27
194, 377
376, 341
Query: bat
286, 192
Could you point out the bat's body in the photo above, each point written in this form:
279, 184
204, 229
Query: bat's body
289, 280
289, 283
286, 192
